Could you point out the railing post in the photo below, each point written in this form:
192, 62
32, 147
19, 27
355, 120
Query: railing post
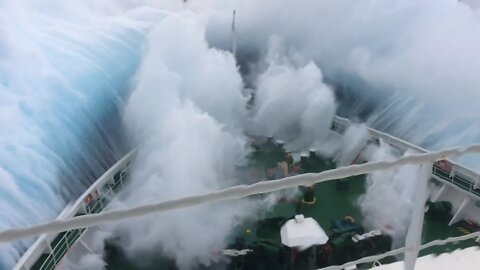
414, 233
452, 172
52, 253
102, 206
121, 180
84, 207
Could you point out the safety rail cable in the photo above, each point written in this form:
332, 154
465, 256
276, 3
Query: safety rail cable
456, 180
105, 188
456, 172
235, 192
61, 248
341, 124
403, 250
70, 237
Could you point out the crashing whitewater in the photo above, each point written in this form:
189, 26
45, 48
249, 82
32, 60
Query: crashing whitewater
81, 84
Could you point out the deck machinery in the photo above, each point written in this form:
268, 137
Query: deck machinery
452, 210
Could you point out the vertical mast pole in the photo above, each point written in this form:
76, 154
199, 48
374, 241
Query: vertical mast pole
234, 38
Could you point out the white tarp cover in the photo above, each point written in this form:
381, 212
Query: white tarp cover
302, 232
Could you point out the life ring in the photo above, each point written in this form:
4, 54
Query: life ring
349, 219
89, 199
309, 202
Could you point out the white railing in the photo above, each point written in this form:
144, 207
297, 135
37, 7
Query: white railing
93, 200
235, 192
399, 251
446, 171
107, 184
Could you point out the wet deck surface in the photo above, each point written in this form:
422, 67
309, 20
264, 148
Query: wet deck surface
331, 204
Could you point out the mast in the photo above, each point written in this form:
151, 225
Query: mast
234, 38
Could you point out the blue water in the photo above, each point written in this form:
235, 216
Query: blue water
63, 83
64, 78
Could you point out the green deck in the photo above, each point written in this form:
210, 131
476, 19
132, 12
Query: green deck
331, 203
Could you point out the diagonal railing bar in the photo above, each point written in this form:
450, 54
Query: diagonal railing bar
402, 250
235, 192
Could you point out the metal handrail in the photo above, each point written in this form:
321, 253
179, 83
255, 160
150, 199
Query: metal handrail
339, 125
61, 248
70, 237
38, 249
462, 174
455, 179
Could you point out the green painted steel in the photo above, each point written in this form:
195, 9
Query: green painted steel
457, 180
65, 240
330, 204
